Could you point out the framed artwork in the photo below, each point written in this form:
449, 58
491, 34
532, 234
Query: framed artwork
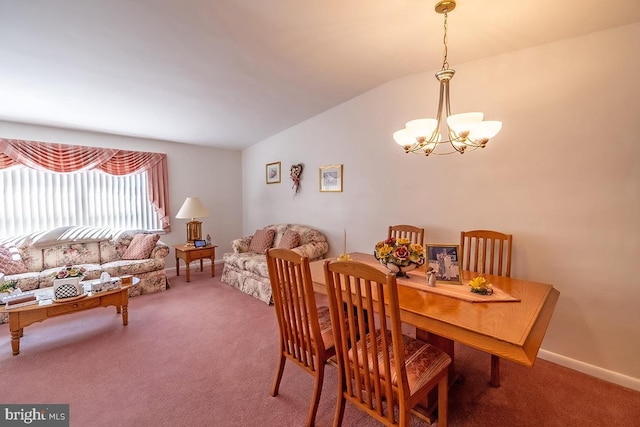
331, 178
273, 173
444, 260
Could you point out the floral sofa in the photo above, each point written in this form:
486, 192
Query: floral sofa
96, 249
247, 270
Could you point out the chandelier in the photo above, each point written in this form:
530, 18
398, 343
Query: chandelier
464, 132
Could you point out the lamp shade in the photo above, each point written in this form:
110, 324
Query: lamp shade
192, 208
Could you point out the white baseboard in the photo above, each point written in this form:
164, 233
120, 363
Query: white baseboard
594, 371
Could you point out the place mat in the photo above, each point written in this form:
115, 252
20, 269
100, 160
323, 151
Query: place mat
418, 280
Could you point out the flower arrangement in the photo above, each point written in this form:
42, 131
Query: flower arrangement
69, 271
8, 286
479, 285
400, 252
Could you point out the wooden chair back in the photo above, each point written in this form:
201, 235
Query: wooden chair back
301, 338
363, 291
414, 234
486, 251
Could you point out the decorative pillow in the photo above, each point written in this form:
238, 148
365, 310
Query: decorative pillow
11, 262
141, 246
290, 239
262, 240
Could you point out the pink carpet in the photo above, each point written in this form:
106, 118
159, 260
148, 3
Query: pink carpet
204, 354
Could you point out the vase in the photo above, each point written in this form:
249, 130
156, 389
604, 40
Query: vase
399, 270
67, 287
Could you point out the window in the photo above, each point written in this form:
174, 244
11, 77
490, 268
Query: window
38, 200
57, 190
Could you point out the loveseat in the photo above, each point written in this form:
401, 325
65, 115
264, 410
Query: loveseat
34, 258
246, 267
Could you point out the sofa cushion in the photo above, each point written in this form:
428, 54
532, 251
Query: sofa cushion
133, 267
71, 253
262, 240
141, 246
11, 262
290, 239
248, 261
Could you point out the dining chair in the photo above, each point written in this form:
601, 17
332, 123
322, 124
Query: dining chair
306, 336
382, 365
486, 251
415, 234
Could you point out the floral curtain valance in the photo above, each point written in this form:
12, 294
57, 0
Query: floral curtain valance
73, 158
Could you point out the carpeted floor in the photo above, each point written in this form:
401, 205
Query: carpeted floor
204, 354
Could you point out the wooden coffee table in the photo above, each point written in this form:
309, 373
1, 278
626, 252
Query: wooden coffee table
45, 309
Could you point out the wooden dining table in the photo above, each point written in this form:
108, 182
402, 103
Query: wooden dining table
511, 327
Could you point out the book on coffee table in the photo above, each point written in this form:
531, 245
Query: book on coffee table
15, 301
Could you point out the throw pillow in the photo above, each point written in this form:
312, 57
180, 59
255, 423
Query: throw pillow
141, 246
262, 240
11, 262
290, 239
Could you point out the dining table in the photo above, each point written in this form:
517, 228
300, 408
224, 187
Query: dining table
510, 323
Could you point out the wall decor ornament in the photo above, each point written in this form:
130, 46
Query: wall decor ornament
331, 178
295, 174
273, 173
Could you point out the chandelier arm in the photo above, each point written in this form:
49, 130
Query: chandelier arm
443, 95
450, 133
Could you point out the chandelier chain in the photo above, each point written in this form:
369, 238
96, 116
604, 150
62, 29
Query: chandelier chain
445, 64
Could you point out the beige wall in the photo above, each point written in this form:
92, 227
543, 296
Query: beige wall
563, 177
212, 174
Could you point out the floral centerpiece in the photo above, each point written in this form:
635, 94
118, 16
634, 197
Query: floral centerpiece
399, 255
69, 271
66, 282
479, 285
8, 286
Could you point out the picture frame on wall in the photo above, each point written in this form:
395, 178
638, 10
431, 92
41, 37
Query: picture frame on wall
445, 261
273, 173
331, 178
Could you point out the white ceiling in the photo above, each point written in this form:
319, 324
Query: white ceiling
231, 73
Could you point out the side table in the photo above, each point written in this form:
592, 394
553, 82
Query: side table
191, 253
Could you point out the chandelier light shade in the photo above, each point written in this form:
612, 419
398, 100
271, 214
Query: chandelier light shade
462, 132
193, 208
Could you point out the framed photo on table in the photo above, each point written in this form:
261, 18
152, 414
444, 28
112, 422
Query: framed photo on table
273, 173
444, 260
331, 178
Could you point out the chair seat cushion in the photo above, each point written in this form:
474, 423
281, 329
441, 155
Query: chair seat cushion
324, 319
423, 361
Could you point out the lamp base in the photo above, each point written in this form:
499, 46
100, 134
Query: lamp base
194, 232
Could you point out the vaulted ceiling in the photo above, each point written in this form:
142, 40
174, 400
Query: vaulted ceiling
231, 73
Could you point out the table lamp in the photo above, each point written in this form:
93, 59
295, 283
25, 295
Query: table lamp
193, 208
